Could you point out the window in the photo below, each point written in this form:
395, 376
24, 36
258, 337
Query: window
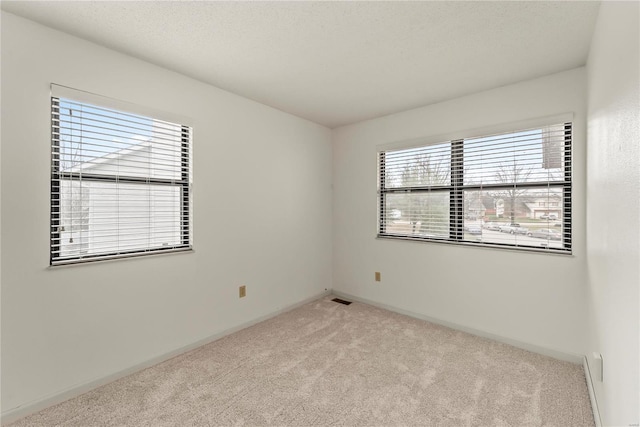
120, 183
503, 190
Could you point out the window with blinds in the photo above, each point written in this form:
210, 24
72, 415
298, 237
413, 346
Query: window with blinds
120, 183
505, 190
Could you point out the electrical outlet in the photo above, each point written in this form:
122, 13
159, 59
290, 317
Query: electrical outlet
243, 291
377, 276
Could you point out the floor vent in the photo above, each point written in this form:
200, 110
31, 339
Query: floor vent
341, 301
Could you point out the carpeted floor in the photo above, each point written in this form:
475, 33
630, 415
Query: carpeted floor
331, 364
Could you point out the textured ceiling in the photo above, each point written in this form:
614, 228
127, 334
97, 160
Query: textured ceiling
337, 62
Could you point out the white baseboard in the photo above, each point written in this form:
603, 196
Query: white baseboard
592, 393
556, 354
15, 414
22, 411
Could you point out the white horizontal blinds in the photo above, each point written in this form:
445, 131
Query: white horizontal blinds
415, 184
507, 189
521, 177
528, 156
120, 183
418, 167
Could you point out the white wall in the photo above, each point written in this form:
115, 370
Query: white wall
613, 209
533, 298
262, 196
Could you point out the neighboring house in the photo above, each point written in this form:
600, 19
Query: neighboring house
475, 208
537, 208
500, 207
142, 214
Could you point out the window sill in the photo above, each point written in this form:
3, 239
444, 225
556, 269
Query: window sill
112, 258
502, 247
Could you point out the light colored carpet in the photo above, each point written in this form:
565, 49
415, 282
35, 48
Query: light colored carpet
331, 364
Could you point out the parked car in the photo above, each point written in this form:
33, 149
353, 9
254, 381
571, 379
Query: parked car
505, 228
549, 216
545, 233
513, 228
521, 230
495, 226
474, 229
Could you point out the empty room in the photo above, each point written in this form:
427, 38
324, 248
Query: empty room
320, 213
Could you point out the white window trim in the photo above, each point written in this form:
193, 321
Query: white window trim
60, 91
474, 132
504, 127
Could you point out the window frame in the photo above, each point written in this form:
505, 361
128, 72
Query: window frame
456, 187
57, 177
